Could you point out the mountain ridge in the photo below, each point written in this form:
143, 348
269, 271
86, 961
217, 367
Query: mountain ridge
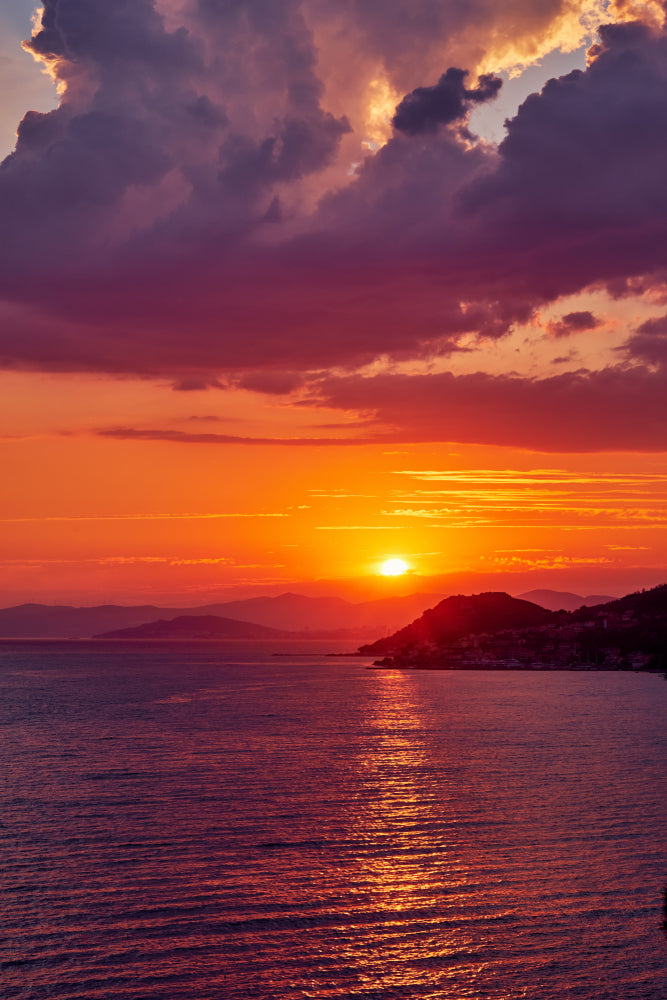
197, 627
627, 633
291, 612
563, 600
462, 615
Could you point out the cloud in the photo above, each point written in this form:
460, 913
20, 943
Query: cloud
358, 527
649, 343
426, 108
201, 206
480, 31
185, 437
197, 383
141, 102
574, 322
273, 383
579, 174
615, 409
134, 517
532, 497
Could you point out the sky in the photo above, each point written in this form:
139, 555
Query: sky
287, 290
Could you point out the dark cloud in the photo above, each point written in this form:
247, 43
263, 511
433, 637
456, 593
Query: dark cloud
574, 196
197, 383
210, 418
109, 35
649, 343
167, 219
574, 322
204, 111
185, 437
564, 359
143, 105
426, 108
611, 410
580, 172
299, 147
127, 85
273, 383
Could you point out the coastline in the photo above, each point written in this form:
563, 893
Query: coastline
521, 668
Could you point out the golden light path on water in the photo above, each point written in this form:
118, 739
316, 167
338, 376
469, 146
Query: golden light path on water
405, 877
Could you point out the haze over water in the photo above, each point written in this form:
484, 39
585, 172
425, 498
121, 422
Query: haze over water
209, 821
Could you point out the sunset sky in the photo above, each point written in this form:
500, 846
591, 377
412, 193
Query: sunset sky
291, 288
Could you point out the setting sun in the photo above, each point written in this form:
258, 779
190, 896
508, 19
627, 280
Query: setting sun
394, 567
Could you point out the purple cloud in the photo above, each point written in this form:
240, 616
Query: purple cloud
185, 437
574, 322
610, 410
649, 343
426, 108
189, 209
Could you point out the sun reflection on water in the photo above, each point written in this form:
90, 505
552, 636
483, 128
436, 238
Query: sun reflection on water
409, 872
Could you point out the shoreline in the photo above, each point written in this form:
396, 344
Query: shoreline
536, 668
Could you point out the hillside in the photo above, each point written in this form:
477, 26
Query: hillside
563, 600
292, 612
641, 604
300, 613
196, 627
59, 621
489, 632
455, 617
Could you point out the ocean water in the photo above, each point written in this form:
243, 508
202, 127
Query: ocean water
211, 821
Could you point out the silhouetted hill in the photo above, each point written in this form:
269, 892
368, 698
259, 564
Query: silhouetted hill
562, 600
642, 604
197, 627
494, 631
299, 613
455, 617
628, 632
45, 621
292, 612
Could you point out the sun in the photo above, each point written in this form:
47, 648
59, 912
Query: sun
394, 567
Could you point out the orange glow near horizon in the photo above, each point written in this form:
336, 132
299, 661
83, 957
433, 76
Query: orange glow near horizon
86, 519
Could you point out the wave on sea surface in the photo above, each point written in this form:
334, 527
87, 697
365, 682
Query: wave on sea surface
189, 824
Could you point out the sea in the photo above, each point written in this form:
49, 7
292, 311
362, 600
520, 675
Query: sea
210, 820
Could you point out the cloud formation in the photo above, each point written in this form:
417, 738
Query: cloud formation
205, 202
649, 342
186, 437
574, 322
611, 410
427, 108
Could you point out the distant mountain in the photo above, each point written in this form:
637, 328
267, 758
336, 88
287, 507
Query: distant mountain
559, 600
455, 617
300, 614
384, 614
643, 604
197, 627
291, 612
45, 621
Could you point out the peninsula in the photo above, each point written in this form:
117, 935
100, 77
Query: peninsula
496, 631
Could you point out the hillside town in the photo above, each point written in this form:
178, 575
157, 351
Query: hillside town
628, 634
